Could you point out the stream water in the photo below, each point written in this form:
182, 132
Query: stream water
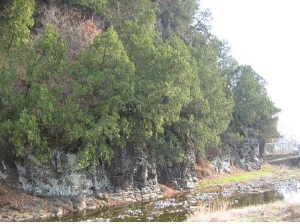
179, 208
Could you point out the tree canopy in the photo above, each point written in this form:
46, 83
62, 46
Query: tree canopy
149, 77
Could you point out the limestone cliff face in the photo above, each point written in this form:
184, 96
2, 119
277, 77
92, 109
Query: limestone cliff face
59, 177
131, 172
181, 175
131, 169
246, 154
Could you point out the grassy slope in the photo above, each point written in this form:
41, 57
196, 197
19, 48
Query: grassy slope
276, 211
236, 177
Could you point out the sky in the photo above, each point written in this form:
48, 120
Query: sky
265, 34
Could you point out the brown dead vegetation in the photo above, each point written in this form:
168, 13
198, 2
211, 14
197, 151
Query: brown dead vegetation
14, 199
276, 211
74, 27
169, 192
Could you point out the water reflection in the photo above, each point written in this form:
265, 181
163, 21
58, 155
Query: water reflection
246, 199
163, 210
177, 209
291, 192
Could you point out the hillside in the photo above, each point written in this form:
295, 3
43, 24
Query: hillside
118, 97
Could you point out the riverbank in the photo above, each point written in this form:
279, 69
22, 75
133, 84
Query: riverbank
278, 211
18, 206
275, 211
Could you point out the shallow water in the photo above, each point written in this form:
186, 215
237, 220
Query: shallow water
177, 209
291, 192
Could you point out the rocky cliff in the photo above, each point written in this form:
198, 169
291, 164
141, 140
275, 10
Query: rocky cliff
131, 173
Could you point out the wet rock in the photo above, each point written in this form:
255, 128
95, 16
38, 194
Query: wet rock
79, 202
138, 194
6, 218
67, 204
19, 218
101, 220
91, 205
145, 197
78, 199
101, 196
121, 217
59, 212
150, 218
79, 206
153, 196
188, 184
130, 212
132, 174
145, 190
126, 193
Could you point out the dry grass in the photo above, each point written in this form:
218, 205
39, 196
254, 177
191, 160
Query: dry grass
168, 192
276, 211
204, 171
73, 26
14, 199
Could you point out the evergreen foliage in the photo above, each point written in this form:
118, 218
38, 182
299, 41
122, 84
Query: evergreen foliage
170, 91
97, 5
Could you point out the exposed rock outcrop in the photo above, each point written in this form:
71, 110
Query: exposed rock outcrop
221, 164
246, 154
59, 176
133, 173
181, 175
130, 175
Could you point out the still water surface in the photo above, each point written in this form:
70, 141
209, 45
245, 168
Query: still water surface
177, 209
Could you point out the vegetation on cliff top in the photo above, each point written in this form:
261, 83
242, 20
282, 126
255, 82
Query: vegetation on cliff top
88, 76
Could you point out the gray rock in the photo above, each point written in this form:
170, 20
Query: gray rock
79, 206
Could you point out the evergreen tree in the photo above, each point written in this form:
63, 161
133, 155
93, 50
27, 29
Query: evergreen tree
34, 101
176, 17
253, 108
98, 6
14, 49
102, 87
212, 86
254, 114
169, 90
